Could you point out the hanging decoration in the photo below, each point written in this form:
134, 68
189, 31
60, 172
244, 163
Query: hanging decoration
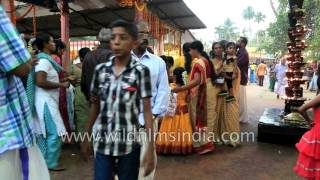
168, 38
131, 3
141, 8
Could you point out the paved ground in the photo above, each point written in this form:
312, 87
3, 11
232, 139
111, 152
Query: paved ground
256, 161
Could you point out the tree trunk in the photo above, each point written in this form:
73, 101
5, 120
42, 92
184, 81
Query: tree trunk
273, 8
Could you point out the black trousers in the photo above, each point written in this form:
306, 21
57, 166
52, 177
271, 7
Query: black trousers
261, 78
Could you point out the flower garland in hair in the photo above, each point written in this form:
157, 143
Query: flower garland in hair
185, 77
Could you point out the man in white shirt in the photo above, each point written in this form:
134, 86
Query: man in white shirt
159, 82
281, 81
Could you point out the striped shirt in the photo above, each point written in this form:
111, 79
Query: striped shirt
15, 116
120, 96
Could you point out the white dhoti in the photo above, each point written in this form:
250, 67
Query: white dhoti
12, 168
313, 83
144, 148
242, 98
279, 88
280, 71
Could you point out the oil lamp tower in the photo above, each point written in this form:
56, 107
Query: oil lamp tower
296, 45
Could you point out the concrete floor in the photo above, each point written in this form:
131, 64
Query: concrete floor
252, 160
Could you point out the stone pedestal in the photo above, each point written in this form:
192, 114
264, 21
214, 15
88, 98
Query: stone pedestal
273, 129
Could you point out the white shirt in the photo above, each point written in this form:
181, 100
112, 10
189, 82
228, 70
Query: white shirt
159, 82
49, 97
280, 71
76, 61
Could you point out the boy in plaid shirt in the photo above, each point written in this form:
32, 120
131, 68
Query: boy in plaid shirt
120, 84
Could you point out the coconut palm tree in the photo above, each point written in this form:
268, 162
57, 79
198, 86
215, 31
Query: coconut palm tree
227, 30
248, 15
259, 17
260, 36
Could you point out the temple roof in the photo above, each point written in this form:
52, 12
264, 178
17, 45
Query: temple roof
88, 16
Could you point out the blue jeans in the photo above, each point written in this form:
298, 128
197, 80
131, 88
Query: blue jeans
128, 166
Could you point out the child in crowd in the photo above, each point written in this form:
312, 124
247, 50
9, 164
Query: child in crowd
175, 135
230, 69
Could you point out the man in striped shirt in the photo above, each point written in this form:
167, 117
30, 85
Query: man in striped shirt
20, 158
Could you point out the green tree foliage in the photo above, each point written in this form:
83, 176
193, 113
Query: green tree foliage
227, 31
249, 14
313, 21
259, 17
276, 36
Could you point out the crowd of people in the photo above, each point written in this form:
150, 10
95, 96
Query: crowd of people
189, 101
275, 75
153, 105
124, 86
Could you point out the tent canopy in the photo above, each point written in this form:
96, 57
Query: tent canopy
86, 18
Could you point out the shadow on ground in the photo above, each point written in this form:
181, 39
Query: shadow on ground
250, 161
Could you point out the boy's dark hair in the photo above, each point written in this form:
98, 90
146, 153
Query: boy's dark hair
244, 40
224, 43
186, 48
170, 61
59, 45
131, 28
230, 44
150, 50
83, 52
164, 58
177, 72
187, 57
197, 45
42, 39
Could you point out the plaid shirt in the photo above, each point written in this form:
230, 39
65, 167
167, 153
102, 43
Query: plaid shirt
119, 106
15, 115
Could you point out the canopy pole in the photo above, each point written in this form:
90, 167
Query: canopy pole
8, 5
65, 33
34, 21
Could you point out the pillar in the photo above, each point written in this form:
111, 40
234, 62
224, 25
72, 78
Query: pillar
8, 5
64, 19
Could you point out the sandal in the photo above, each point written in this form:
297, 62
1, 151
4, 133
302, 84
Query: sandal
56, 169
